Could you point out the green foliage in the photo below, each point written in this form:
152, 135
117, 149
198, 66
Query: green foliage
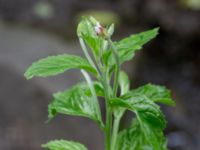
77, 101
143, 107
64, 145
146, 131
124, 82
156, 93
54, 65
141, 137
86, 31
128, 46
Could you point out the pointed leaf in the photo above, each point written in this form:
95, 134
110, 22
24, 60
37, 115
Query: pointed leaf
128, 46
64, 145
77, 101
111, 29
54, 65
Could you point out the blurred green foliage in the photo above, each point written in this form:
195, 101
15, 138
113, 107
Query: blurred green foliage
192, 4
43, 10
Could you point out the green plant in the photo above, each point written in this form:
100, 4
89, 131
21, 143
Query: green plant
111, 83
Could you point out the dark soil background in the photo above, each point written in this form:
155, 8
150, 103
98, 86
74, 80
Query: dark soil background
32, 29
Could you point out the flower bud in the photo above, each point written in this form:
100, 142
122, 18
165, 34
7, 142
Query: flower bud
99, 29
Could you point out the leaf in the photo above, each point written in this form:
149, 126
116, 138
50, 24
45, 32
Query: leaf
111, 29
154, 136
99, 89
86, 31
77, 101
128, 46
143, 108
86, 27
141, 136
64, 145
54, 65
124, 82
155, 93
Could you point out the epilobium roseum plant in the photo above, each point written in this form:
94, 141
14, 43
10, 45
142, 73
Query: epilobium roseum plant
104, 77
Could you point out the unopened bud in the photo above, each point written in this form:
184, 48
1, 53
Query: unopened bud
99, 29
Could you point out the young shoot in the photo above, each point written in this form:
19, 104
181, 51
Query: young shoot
102, 63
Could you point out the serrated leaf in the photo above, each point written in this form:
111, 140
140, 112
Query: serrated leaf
129, 45
155, 93
64, 145
143, 108
54, 65
77, 101
141, 136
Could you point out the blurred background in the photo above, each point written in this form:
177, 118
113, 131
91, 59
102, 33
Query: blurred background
33, 29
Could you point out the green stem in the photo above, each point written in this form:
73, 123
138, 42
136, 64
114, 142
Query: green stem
117, 68
96, 102
110, 145
115, 132
85, 51
108, 127
115, 88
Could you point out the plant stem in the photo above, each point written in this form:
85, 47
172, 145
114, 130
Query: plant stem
84, 48
117, 68
108, 111
115, 132
96, 102
115, 88
108, 127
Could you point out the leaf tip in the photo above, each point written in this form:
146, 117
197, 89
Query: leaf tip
157, 29
27, 75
